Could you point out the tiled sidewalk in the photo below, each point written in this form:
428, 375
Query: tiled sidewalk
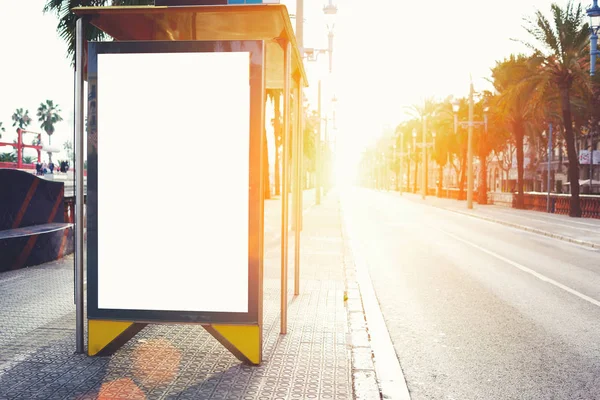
584, 231
313, 360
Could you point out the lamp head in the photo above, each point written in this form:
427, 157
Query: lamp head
486, 106
455, 106
330, 11
594, 13
433, 134
414, 133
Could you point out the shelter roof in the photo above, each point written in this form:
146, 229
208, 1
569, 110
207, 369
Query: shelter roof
268, 22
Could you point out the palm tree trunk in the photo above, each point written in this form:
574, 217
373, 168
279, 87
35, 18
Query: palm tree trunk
575, 207
482, 186
408, 176
416, 175
463, 175
440, 180
519, 133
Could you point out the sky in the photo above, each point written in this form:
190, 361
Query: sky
388, 54
33, 68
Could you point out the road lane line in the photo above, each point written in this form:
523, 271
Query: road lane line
524, 269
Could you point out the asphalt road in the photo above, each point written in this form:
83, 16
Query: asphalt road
478, 310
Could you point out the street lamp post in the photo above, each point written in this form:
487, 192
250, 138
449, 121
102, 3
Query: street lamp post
394, 165
470, 151
401, 162
424, 158
434, 170
312, 54
449, 176
408, 168
594, 13
549, 165
470, 124
414, 136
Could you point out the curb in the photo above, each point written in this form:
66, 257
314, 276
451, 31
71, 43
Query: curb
376, 370
524, 228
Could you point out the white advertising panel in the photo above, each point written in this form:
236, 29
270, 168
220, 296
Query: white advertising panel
173, 181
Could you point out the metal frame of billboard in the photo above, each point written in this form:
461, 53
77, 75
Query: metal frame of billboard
255, 224
284, 70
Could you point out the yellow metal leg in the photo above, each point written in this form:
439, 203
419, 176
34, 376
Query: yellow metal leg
243, 341
103, 334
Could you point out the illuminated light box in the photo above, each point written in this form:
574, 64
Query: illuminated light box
174, 147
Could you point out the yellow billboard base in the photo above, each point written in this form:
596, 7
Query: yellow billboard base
104, 337
243, 341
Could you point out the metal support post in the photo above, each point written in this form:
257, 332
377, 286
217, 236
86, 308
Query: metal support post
325, 159
330, 49
298, 190
591, 160
318, 151
295, 154
287, 61
449, 178
593, 53
300, 25
424, 168
401, 179
470, 151
79, 195
549, 160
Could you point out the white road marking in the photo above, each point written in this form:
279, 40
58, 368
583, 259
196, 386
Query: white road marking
525, 269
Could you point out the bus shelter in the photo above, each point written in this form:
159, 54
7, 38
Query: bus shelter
159, 254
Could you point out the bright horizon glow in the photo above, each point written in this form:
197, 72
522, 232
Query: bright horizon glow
390, 55
387, 55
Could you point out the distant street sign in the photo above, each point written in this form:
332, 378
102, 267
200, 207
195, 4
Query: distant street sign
211, 2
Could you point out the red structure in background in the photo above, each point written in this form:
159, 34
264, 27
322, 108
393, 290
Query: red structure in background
20, 145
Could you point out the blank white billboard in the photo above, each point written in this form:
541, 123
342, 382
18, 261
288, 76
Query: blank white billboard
173, 159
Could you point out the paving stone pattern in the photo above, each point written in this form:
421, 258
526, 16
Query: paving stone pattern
313, 361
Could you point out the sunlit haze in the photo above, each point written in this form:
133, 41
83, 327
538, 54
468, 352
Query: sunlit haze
387, 55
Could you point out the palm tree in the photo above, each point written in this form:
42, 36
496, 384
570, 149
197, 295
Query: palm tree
8, 157
560, 59
423, 111
67, 19
21, 118
511, 80
48, 116
309, 147
28, 159
443, 125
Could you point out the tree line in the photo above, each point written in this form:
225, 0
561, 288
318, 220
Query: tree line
550, 85
48, 114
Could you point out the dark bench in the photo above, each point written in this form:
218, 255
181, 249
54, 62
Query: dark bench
32, 226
